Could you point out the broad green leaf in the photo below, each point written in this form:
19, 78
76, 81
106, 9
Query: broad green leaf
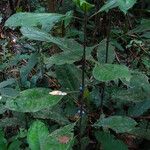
139, 108
83, 5
131, 95
33, 100
101, 52
67, 57
108, 72
120, 124
3, 141
33, 19
34, 33
37, 135
109, 142
53, 114
60, 139
124, 5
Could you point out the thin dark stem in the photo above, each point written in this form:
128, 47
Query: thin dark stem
106, 60
108, 37
83, 76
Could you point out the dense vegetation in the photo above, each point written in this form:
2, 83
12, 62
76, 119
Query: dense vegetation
74, 74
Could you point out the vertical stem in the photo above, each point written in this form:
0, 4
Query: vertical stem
106, 59
83, 75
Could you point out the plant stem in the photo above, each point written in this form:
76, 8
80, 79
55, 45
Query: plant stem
106, 59
83, 76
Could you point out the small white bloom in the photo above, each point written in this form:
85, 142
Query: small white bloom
57, 93
0, 97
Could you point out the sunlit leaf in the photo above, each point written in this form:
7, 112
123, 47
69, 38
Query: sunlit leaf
33, 100
108, 72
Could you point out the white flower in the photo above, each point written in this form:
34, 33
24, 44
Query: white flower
57, 93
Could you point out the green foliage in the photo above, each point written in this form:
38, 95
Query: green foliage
89, 60
124, 5
39, 138
120, 124
108, 72
37, 134
109, 142
33, 19
83, 5
61, 139
101, 52
3, 141
33, 100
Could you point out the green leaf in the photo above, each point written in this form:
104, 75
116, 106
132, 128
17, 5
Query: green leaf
69, 76
37, 135
131, 95
60, 139
53, 114
8, 92
139, 108
33, 19
109, 142
119, 124
34, 33
7, 82
83, 5
124, 5
101, 52
33, 100
108, 72
67, 57
141, 132
15, 145
3, 141
25, 70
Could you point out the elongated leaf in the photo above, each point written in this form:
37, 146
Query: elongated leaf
33, 100
34, 33
33, 19
119, 124
68, 57
60, 139
109, 142
124, 5
37, 134
108, 72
